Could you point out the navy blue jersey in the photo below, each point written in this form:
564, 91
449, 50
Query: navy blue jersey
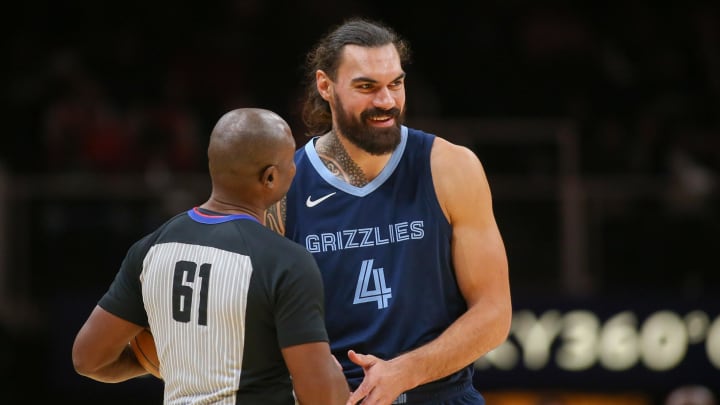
222, 294
383, 250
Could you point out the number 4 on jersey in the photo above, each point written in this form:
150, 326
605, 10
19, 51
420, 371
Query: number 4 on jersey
379, 292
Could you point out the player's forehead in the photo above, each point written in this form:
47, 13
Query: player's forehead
375, 63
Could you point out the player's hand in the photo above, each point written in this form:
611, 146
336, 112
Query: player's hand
382, 383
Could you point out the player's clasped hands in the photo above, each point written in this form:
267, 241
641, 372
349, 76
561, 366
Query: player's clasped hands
382, 382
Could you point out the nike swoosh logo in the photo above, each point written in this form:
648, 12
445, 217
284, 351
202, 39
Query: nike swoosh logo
311, 203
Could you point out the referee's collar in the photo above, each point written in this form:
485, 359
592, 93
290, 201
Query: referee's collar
205, 216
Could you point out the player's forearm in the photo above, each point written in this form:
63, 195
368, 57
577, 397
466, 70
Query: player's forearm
470, 337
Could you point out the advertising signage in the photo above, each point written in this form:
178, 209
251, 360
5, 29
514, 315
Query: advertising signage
643, 343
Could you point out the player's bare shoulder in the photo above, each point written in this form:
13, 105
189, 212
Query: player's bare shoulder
451, 162
457, 173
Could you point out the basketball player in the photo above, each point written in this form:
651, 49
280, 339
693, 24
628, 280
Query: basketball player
236, 310
401, 224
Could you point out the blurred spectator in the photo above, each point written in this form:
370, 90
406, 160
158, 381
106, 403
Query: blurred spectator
83, 130
169, 131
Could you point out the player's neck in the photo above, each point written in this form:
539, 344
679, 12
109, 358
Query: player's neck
360, 167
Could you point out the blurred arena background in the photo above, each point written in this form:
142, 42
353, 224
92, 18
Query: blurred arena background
598, 124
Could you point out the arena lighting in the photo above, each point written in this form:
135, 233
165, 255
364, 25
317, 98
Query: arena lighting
578, 340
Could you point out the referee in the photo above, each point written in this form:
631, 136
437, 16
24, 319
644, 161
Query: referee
236, 310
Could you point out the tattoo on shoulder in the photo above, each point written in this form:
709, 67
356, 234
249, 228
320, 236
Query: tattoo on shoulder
275, 216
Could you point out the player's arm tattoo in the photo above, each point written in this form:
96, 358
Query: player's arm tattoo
275, 216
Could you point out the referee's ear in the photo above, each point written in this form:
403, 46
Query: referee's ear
268, 176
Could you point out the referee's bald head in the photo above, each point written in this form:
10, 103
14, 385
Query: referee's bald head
247, 139
250, 151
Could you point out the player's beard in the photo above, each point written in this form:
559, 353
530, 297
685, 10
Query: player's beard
376, 141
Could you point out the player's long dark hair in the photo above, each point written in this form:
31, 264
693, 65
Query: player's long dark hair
325, 56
